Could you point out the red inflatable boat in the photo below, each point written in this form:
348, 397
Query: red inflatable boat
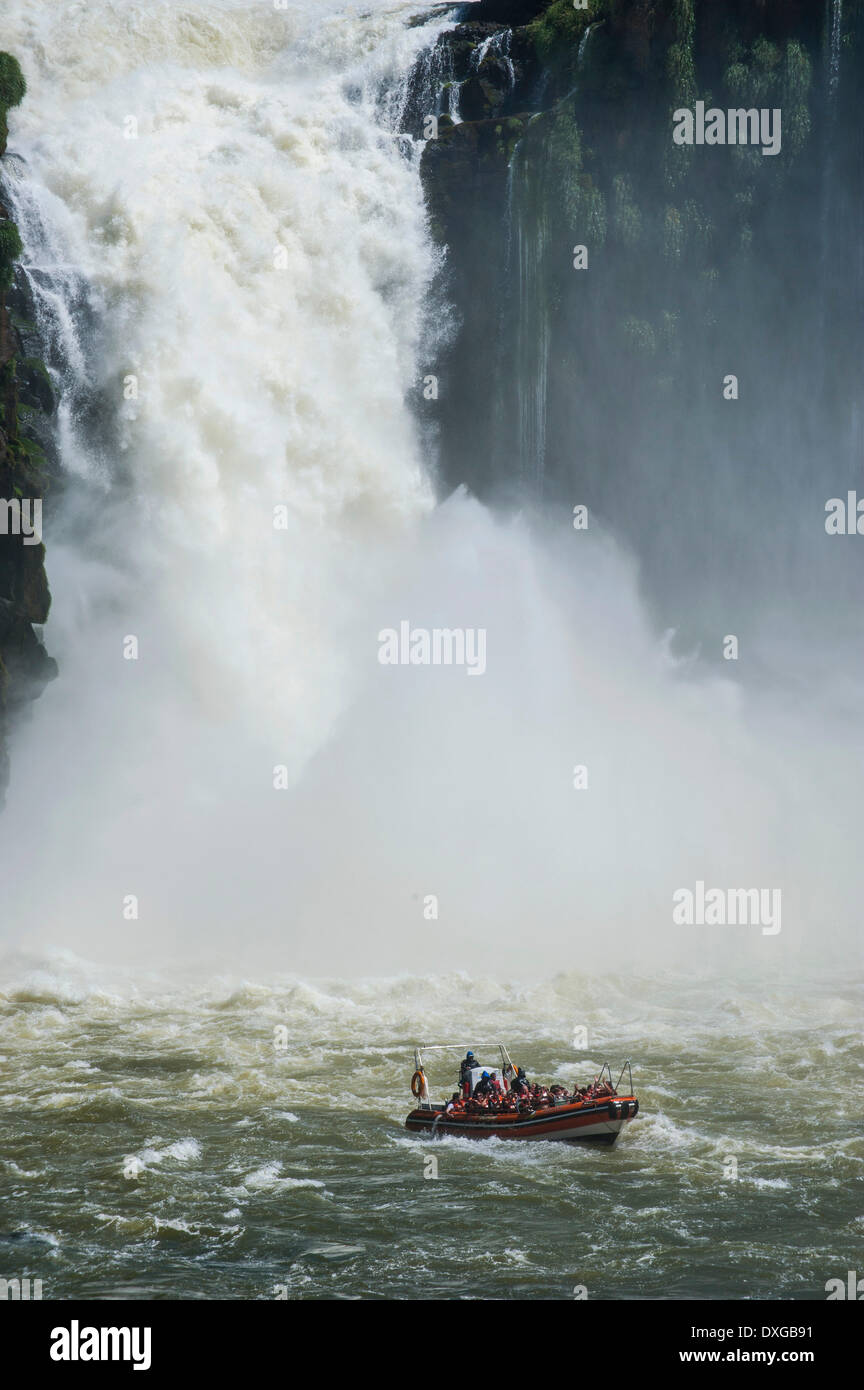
596, 1115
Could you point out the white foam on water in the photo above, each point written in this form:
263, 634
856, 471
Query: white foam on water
269, 1178
150, 1157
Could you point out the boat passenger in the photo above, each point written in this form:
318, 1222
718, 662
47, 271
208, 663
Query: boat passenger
484, 1086
519, 1084
454, 1103
465, 1068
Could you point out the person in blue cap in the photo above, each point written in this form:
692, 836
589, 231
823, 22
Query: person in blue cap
465, 1069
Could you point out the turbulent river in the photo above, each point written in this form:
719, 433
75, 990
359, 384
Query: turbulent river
164, 1140
225, 235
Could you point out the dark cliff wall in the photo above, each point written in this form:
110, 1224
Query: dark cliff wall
26, 402
605, 385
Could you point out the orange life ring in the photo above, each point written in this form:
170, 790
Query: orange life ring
418, 1084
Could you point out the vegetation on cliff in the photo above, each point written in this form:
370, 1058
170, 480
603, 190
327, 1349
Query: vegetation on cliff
12, 92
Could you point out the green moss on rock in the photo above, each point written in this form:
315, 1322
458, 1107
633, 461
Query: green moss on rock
13, 88
10, 250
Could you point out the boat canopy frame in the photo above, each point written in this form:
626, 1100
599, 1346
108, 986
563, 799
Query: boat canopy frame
617, 1086
420, 1048
605, 1074
425, 1102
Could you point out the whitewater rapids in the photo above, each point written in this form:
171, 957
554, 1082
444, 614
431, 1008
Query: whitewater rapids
243, 1139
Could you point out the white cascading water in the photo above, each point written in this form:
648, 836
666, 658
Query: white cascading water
834, 45
256, 386
262, 131
258, 138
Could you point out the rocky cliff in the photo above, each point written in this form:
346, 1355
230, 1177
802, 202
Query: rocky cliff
26, 404
607, 281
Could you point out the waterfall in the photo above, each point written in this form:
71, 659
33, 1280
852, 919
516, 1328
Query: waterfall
836, 30
525, 334
532, 334
228, 244
496, 46
434, 90
66, 307
583, 43
831, 213
524, 297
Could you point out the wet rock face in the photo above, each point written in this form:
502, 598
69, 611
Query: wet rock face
566, 378
508, 12
486, 91
26, 406
636, 26
25, 666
